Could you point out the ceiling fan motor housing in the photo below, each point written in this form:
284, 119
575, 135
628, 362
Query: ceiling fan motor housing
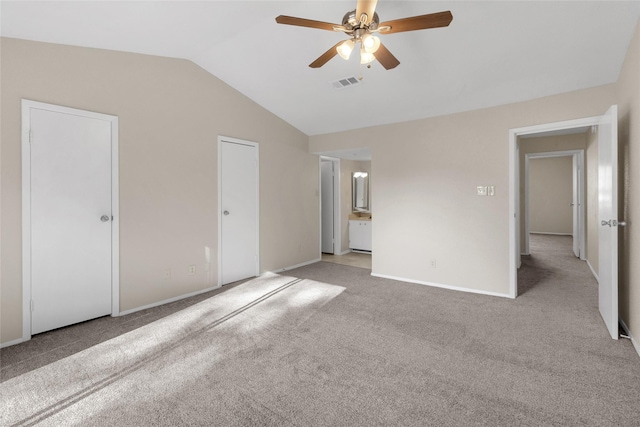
351, 22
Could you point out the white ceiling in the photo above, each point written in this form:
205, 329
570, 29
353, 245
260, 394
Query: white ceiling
493, 53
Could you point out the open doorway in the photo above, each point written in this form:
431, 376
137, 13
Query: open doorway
345, 163
554, 191
603, 215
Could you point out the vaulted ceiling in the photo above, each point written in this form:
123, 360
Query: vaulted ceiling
493, 53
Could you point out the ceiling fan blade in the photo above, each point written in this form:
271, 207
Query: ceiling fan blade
325, 57
301, 22
422, 22
368, 7
386, 58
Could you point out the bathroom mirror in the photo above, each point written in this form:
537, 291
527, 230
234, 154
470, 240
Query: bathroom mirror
360, 191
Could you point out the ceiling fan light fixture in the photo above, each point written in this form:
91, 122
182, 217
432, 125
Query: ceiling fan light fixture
370, 43
366, 57
345, 48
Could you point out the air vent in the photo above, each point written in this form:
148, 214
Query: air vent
345, 82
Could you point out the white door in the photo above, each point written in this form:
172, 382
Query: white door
238, 189
326, 189
608, 216
575, 205
71, 219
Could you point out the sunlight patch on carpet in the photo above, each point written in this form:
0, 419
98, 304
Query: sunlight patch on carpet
166, 355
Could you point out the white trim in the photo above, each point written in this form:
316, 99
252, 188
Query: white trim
345, 252
593, 271
27, 105
635, 343
302, 264
167, 301
514, 207
337, 223
578, 156
514, 190
362, 251
115, 215
550, 233
439, 285
227, 139
14, 342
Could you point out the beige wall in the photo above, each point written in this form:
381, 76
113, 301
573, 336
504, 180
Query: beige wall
628, 96
170, 115
551, 195
426, 205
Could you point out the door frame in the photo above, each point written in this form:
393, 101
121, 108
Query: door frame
27, 106
337, 223
226, 139
578, 156
514, 187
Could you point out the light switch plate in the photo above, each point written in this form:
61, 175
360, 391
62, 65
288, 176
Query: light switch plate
491, 190
482, 190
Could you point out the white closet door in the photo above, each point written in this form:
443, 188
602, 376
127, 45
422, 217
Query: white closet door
70, 159
238, 211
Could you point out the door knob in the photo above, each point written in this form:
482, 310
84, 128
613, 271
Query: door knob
104, 218
613, 223
226, 212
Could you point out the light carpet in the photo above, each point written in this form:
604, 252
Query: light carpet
360, 351
162, 373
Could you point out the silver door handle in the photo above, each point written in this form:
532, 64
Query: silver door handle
104, 218
613, 223
226, 212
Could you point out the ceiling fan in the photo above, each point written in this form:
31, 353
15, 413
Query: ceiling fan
360, 25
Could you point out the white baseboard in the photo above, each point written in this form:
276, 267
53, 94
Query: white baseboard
551, 234
345, 252
14, 342
302, 264
439, 285
593, 272
166, 301
635, 343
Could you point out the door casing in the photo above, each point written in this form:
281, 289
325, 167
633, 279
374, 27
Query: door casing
514, 187
27, 106
337, 222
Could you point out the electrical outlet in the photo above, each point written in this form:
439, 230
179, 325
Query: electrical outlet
433, 263
491, 190
482, 190
166, 273
192, 270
